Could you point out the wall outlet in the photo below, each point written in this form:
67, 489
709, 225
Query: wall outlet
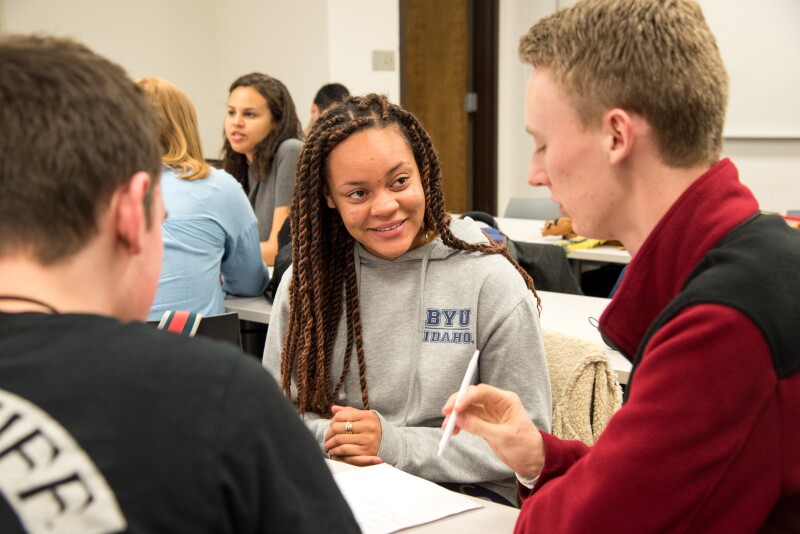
383, 60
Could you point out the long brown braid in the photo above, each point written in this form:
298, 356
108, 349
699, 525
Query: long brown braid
323, 284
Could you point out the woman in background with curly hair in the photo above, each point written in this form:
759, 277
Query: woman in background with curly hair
388, 298
263, 137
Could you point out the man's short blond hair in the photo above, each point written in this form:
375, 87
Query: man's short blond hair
657, 58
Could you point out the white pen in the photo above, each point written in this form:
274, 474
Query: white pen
451, 423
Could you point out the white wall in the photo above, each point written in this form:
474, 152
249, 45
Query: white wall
762, 65
287, 40
199, 46
770, 168
355, 29
514, 145
203, 46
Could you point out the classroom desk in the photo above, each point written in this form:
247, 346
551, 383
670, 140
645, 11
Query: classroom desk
492, 517
256, 309
561, 312
530, 231
570, 314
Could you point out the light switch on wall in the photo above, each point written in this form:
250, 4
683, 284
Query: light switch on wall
383, 60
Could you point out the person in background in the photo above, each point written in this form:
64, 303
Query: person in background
263, 137
388, 298
328, 95
626, 105
211, 242
109, 425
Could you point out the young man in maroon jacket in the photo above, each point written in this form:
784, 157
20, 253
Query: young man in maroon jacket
626, 105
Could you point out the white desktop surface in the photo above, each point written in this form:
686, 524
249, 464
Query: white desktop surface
256, 309
561, 312
530, 231
492, 517
570, 314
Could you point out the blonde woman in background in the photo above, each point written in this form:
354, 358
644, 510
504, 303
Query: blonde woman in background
211, 242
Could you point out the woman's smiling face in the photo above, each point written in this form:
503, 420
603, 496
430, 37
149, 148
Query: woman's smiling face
374, 183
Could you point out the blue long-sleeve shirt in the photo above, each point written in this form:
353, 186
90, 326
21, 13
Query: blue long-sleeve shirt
211, 245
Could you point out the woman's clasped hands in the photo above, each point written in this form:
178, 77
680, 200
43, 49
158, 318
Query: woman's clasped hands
353, 436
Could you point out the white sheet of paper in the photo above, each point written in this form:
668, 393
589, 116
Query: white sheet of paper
385, 499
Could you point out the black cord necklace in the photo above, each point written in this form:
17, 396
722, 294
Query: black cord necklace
32, 301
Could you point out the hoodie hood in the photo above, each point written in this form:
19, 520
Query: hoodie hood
464, 229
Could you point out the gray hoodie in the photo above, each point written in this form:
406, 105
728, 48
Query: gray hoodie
423, 315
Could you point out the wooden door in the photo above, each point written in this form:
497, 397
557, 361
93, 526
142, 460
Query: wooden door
434, 79
448, 49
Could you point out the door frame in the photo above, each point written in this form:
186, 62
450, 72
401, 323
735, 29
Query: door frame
485, 22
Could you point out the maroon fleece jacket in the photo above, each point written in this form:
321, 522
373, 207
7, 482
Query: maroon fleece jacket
708, 438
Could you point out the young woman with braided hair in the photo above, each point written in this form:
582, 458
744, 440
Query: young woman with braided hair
388, 298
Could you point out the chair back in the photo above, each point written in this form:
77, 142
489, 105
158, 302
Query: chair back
222, 327
584, 387
548, 266
480, 216
532, 208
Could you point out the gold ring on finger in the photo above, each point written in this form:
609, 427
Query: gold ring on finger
348, 427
